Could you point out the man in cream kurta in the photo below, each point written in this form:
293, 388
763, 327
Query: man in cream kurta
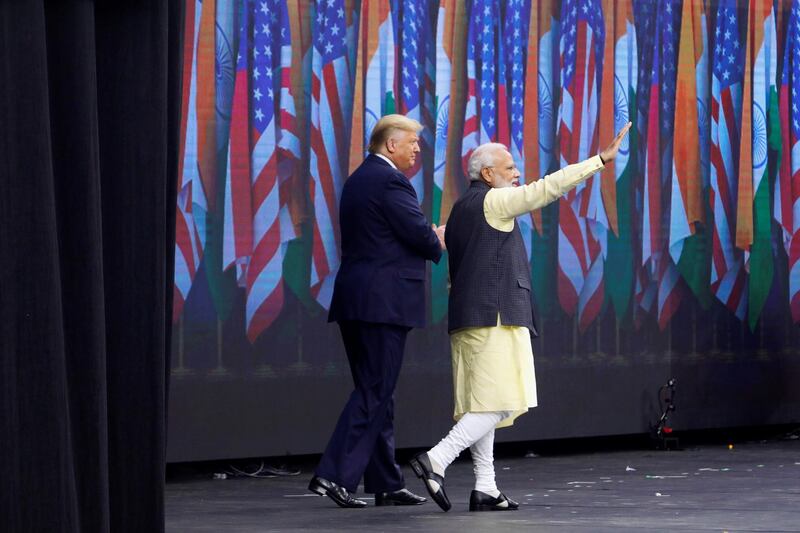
490, 315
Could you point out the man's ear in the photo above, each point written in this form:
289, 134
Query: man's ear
390, 145
485, 176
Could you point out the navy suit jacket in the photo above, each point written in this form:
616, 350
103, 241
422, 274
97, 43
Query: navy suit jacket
385, 242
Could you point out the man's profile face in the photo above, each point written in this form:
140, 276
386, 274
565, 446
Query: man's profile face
403, 147
503, 173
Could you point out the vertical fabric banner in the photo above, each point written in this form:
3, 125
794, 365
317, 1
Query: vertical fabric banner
486, 85
374, 89
411, 83
221, 284
582, 221
451, 24
539, 145
787, 188
728, 281
670, 289
760, 135
617, 107
189, 233
688, 244
264, 149
331, 94
516, 32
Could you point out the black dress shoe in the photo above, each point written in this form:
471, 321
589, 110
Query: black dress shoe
337, 493
398, 497
421, 464
480, 501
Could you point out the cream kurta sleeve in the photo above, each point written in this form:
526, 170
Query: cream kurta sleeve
501, 206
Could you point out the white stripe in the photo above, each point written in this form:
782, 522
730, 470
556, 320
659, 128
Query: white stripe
266, 215
565, 110
323, 217
183, 278
228, 237
591, 284
190, 172
443, 74
667, 284
679, 221
264, 285
263, 150
794, 277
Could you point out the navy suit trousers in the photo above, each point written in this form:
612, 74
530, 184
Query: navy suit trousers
362, 444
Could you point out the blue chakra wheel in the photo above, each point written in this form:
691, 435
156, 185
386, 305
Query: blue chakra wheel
759, 137
545, 114
225, 72
621, 115
442, 121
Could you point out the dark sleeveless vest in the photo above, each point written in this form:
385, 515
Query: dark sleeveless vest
489, 269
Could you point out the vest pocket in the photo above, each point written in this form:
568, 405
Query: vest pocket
411, 274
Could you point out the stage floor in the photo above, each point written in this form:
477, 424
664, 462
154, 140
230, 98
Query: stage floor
753, 487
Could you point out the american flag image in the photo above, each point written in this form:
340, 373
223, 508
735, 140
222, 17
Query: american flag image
330, 93
669, 295
412, 65
652, 240
486, 85
191, 201
728, 282
516, 34
582, 224
237, 244
787, 187
263, 141
272, 225
645, 15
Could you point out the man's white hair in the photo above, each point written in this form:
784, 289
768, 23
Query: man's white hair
484, 156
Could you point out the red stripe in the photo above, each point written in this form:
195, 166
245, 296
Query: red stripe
288, 122
570, 226
183, 241
592, 73
177, 304
786, 177
579, 95
566, 293
240, 168
335, 110
717, 253
264, 182
673, 299
731, 124
654, 171
188, 56
503, 135
325, 179
318, 253
592, 308
266, 314
737, 292
794, 257
263, 253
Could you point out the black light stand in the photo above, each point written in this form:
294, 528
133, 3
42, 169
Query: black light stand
660, 432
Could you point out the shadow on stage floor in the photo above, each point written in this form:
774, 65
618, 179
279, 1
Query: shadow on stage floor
753, 486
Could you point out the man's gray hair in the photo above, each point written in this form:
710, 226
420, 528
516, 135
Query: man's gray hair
483, 156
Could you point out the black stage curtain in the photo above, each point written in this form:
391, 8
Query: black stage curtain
89, 125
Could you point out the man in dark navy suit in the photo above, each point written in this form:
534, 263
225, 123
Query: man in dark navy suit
379, 295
